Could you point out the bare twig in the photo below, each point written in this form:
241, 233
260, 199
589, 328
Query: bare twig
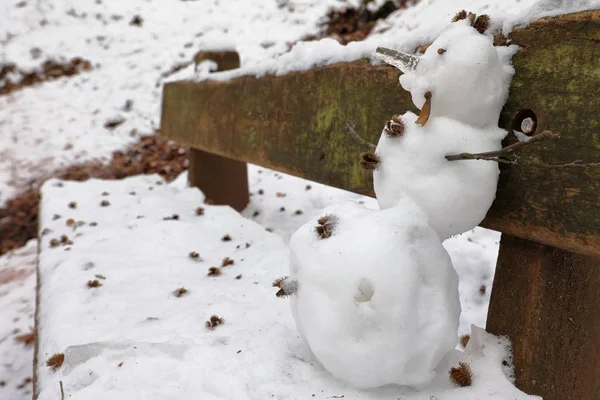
499, 155
356, 136
62, 391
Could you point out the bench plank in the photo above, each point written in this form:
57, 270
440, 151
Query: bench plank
296, 124
547, 301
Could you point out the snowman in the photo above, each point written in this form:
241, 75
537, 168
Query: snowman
373, 292
460, 84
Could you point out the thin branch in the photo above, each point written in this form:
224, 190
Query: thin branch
62, 391
576, 163
356, 136
478, 156
497, 155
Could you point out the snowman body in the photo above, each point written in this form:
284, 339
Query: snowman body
377, 301
455, 195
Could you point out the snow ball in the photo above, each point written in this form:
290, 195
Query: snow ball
377, 300
455, 195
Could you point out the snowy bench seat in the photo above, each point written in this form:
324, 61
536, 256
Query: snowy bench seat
111, 297
114, 320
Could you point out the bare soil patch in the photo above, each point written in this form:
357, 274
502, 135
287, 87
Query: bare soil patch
14, 78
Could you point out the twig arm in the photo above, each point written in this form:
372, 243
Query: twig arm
497, 155
356, 136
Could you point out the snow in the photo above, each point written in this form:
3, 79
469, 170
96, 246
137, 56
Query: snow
405, 30
17, 302
548, 8
377, 299
162, 341
61, 122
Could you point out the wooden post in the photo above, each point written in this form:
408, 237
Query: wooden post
547, 301
222, 180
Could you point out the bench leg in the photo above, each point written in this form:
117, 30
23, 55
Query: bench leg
224, 181
548, 302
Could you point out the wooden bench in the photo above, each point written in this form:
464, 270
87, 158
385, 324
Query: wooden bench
546, 293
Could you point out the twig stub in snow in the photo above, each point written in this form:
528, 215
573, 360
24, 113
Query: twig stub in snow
500, 156
62, 391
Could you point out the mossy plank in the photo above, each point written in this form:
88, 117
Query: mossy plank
293, 123
296, 124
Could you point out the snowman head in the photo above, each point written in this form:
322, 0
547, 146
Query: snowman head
461, 69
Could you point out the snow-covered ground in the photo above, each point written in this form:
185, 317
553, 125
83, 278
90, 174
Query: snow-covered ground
133, 334
62, 121
405, 30
17, 302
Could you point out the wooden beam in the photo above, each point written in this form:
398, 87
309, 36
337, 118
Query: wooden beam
223, 181
547, 301
296, 124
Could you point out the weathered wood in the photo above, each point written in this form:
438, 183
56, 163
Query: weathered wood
547, 301
556, 198
222, 180
295, 123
